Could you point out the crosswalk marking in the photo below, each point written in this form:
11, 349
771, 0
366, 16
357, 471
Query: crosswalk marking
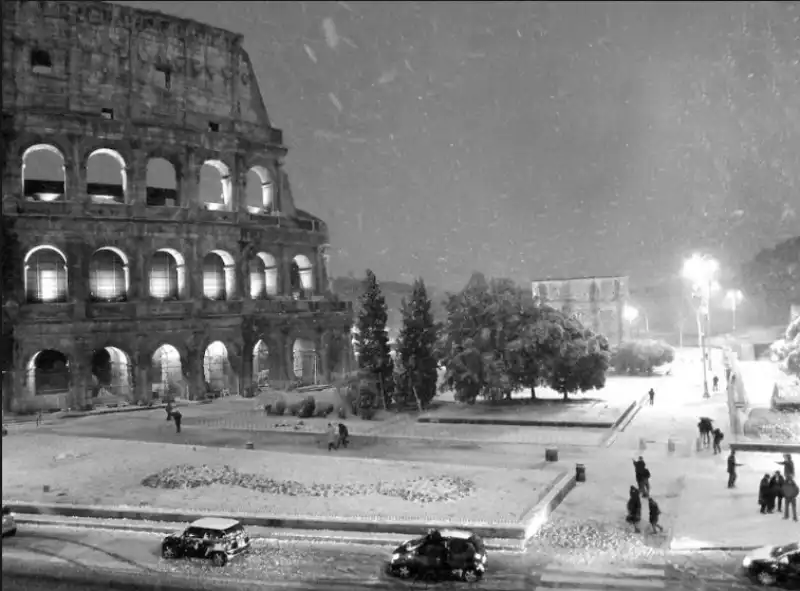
585, 578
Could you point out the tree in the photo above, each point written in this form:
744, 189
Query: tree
582, 361
774, 274
416, 348
372, 339
788, 350
641, 356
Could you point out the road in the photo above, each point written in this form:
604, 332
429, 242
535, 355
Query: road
286, 565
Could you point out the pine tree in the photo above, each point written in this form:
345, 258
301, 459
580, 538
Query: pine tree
416, 347
372, 340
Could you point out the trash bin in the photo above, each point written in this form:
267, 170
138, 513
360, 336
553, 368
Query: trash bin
580, 473
249, 445
551, 454
670, 445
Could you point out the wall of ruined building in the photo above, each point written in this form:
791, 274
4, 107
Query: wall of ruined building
105, 88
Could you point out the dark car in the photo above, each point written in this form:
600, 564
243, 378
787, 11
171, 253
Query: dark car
775, 565
211, 538
445, 555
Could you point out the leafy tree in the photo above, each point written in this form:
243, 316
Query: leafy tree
787, 350
416, 347
582, 361
372, 340
641, 356
774, 274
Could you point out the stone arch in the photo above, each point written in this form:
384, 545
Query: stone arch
216, 187
261, 363
109, 275
166, 373
106, 176
46, 275
111, 373
44, 173
48, 372
260, 190
162, 183
218, 372
305, 360
263, 276
167, 275
301, 276
219, 275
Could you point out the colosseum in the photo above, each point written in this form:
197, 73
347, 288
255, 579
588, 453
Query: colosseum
152, 244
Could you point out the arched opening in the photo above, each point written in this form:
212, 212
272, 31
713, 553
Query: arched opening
167, 275
219, 375
263, 276
215, 185
261, 364
46, 278
219, 276
302, 277
259, 191
106, 177
48, 373
44, 174
162, 183
111, 374
166, 376
109, 275
305, 361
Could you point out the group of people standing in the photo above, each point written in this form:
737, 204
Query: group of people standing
780, 489
709, 435
639, 492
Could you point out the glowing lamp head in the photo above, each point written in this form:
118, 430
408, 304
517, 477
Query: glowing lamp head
630, 313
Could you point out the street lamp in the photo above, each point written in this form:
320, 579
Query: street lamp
630, 314
699, 270
734, 297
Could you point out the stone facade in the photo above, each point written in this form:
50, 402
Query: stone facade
597, 301
128, 267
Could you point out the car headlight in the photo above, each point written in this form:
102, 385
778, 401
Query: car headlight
395, 557
747, 562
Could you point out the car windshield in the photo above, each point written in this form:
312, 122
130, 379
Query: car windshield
781, 550
235, 530
478, 543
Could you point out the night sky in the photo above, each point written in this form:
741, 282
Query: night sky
531, 140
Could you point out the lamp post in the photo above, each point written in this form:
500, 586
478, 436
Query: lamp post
734, 296
630, 314
700, 271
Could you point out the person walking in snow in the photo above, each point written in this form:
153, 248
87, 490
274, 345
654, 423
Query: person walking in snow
333, 437
655, 512
715, 383
718, 437
634, 509
732, 465
790, 492
763, 493
788, 466
652, 395
642, 476
776, 492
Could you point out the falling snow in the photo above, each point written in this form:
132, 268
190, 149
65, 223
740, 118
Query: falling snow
331, 36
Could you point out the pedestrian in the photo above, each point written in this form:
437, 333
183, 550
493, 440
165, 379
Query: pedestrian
634, 509
776, 492
652, 394
642, 476
177, 416
732, 465
715, 383
168, 408
718, 437
343, 435
763, 493
733, 379
333, 437
728, 375
788, 466
790, 492
655, 512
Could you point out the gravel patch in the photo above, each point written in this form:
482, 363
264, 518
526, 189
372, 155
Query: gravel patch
123, 473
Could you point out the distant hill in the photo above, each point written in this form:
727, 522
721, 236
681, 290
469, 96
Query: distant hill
350, 289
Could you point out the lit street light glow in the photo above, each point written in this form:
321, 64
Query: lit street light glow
630, 313
734, 298
699, 270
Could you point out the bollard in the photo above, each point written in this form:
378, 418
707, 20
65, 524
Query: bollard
46, 488
580, 473
551, 454
699, 444
642, 444
249, 445
670, 445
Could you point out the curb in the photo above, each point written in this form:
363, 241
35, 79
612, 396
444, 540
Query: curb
715, 549
781, 448
508, 532
519, 423
536, 518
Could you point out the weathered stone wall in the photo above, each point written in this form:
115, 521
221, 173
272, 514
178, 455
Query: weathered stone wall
82, 76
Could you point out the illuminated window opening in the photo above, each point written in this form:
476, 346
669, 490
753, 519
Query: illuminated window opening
167, 275
46, 276
259, 191
216, 188
263, 276
219, 276
106, 176
109, 275
162, 184
302, 277
44, 173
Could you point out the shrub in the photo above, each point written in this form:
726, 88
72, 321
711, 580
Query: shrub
638, 357
295, 408
268, 409
328, 409
320, 412
280, 407
307, 408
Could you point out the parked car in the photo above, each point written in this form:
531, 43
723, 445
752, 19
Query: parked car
775, 565
445, 555
212, 538
9, 523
